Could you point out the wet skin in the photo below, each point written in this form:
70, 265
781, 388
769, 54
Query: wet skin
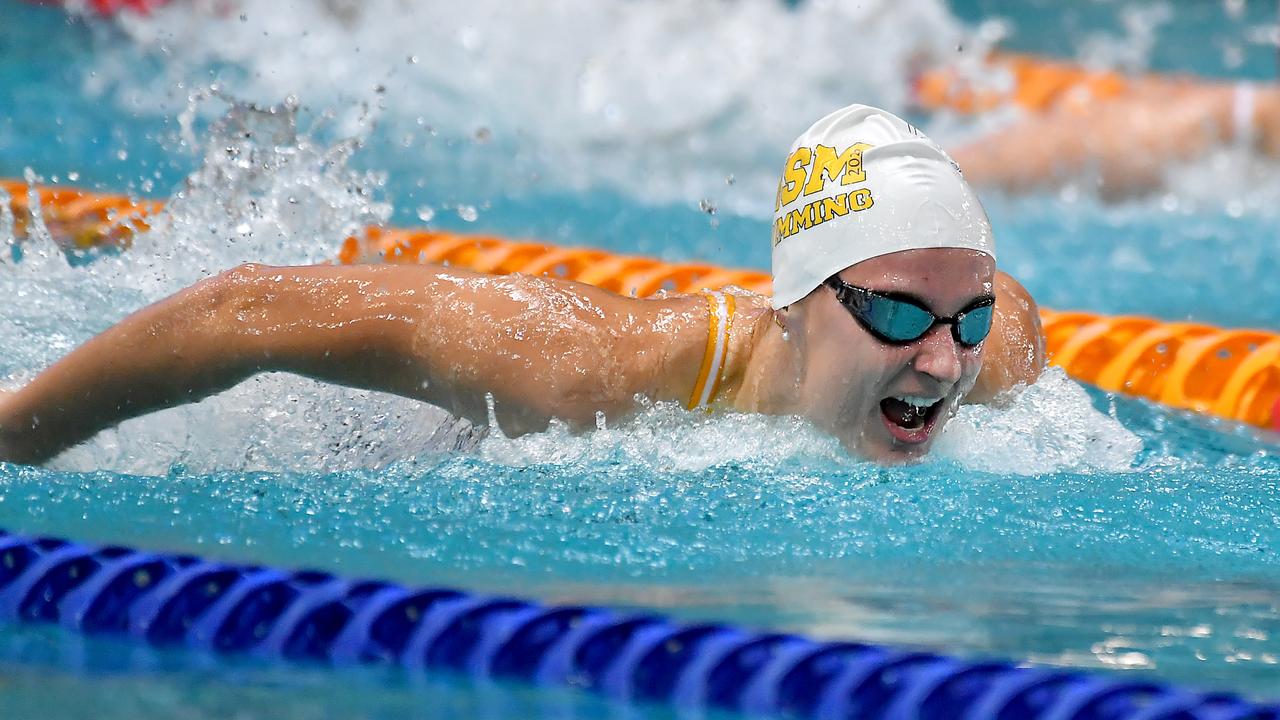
531, 348
839, 373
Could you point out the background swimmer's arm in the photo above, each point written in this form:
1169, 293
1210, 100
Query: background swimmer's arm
1014, 352
1130, 142
543, 348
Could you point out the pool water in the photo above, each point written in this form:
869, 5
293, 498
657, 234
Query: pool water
1065, 527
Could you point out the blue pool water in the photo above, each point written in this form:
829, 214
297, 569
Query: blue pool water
1070, 527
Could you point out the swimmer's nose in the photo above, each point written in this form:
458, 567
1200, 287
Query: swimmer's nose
938, 356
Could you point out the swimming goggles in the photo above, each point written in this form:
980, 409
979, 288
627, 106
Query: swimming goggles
899, 319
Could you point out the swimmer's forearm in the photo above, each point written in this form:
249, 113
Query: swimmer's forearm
450, 338
209, 337
163, 355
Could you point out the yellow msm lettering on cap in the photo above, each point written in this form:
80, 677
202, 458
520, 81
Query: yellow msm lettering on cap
808, 171
827, 165
793, 176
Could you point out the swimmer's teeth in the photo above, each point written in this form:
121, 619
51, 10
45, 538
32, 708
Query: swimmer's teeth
919, 403
908, 411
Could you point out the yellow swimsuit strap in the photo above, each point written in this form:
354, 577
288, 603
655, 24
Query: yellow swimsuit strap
720, 309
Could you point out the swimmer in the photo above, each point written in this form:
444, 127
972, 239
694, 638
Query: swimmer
887, 313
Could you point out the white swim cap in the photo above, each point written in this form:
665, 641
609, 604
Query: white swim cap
861, 183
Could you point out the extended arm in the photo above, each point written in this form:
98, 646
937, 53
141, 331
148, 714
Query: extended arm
543, 348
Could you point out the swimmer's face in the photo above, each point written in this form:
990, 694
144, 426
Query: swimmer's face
864, 390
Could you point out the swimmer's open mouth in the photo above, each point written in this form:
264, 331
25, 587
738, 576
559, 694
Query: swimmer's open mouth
910, 419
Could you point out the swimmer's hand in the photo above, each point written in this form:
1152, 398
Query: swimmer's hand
1013, 354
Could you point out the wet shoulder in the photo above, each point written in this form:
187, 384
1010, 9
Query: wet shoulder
669, 336
750, 309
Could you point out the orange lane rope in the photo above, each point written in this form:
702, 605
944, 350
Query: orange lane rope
1026, 81
79, 218
623, 274
1233, 374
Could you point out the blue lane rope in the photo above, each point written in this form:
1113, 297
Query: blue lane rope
185, 600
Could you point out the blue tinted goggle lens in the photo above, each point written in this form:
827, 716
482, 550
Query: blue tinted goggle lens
902, 321
898, 321
972, 327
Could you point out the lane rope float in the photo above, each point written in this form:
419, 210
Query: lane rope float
183, 600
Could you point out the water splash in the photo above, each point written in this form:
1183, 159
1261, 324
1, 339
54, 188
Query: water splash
265, 192
662, 101
666, 438
7, 226
1051, 426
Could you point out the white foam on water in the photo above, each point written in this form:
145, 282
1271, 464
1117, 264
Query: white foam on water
667, 438
661, 100
277, 423
1050, 426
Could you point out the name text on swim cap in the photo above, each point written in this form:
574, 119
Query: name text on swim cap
806, 173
